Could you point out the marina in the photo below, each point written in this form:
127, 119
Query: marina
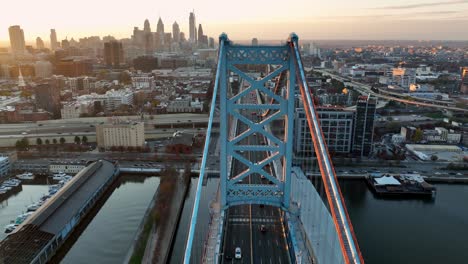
37, 238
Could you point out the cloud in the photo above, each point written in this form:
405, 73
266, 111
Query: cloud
413, 6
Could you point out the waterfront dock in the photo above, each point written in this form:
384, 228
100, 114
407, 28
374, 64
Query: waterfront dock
39, 237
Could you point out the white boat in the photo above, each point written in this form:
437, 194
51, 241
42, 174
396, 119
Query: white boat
33, 207
11, 183
5, 188
60, 176
20, 218
10, 228
25, 176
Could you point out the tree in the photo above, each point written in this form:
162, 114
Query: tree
39, 141
84, 139
26, 94
54, 141
47, 141
418, 135
125, 78
434, 158
77, 140
62, 140
22, 144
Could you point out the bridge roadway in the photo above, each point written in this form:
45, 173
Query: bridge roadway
244, 221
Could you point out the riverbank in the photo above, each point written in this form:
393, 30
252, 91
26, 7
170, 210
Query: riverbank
155, 240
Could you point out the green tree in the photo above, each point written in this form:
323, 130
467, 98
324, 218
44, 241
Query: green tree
102, 74
434, 158
22, 144
47, 141
54, 141
84, 139
39, 141
26, 94
125, 78
418, 135
62, 140
77, 140
5, 93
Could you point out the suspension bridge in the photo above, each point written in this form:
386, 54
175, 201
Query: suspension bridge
265, 206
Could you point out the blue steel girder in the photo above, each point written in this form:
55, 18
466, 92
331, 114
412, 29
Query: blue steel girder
277, 150
257, 54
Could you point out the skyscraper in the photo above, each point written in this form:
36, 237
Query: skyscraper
113, 53
160, 27
200, 33
176, 32
364, 126
17, 39
53, 40
192, 28
146, 26
39, 43
160, 33
254, 42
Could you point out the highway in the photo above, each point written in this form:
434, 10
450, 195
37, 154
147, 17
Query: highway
88, 124
244, 222
366, 89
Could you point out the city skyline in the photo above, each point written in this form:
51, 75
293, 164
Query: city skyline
362, 19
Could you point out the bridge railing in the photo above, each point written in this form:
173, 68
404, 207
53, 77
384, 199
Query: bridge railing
193, 222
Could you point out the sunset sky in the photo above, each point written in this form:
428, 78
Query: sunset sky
244, 19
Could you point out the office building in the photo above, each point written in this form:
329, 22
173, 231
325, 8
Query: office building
17, 42
254, 42
53, 40
464, 81
403, 77
113, 53
211, 43
176, 32
4, 166
43, 69
192, 28
120, 135
364, 126
160, 33
337, 127
75, 109
200, 33
146, 26
48, 98
39, 43
73, 67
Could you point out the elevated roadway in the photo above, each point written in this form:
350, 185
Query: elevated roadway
366, 89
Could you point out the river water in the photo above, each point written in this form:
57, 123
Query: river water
110, 234
388, 231
410, 231
17, 204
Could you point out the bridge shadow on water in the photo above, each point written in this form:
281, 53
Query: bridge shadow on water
75, 235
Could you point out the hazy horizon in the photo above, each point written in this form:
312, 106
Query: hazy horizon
268, 20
